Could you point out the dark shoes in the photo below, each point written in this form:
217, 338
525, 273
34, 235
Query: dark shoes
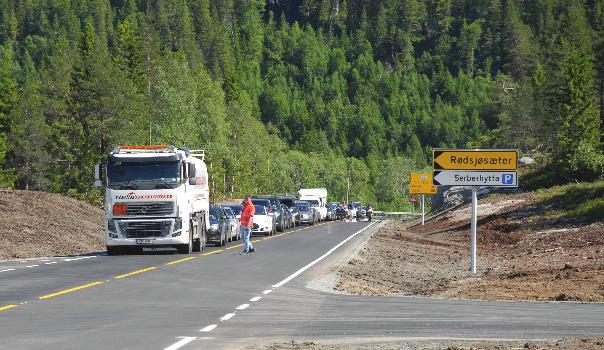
252, 250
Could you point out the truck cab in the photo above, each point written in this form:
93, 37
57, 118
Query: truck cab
155, 196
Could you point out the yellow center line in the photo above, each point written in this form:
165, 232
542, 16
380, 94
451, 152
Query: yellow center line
70, 290
235, 246
181, 260
213, 252
6, 307
256, 240
135, 272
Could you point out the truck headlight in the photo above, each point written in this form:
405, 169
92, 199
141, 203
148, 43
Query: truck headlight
177, 224
111, 225
177, 227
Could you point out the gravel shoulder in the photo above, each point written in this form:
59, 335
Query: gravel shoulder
519, 257
562, 344
40, 224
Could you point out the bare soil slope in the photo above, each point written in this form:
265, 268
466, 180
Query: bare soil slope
523, 254
562, 344
37, 224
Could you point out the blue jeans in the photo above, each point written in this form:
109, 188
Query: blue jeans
247, 232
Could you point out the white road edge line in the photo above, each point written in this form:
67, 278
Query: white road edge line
7, 270
50, 263
208, 328
182, 342
295, 274
243, 306
255, 298
30, 266
227, 317
268, 291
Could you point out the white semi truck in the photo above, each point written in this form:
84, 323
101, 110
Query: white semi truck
317, 197
155, 196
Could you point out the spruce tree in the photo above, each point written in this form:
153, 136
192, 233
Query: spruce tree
576, 121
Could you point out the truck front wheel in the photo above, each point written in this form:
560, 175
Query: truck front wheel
112, 250
186, 248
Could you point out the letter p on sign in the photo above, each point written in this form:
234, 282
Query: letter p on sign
507, 179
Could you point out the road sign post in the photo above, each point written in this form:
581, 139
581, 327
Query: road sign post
473, 228
423, 211
475, 167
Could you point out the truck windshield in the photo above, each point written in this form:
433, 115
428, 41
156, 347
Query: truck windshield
143, 176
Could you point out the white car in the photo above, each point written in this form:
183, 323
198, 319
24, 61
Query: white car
263, 221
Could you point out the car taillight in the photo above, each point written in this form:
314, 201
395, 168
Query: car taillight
119, 209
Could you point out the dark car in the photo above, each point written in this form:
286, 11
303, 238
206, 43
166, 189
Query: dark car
341, 212
278, 210
308, 215
219, 225
290, 204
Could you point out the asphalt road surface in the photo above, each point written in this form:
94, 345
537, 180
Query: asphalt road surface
219, 299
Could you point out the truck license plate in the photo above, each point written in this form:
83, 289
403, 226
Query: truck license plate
145, 241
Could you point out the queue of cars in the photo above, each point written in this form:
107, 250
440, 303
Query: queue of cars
276, 213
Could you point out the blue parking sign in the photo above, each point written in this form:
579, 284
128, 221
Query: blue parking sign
507, 179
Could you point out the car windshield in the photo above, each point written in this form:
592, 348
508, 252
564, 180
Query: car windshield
214, 212
313, 203
143, 176
236, 209
303, 207
260, 210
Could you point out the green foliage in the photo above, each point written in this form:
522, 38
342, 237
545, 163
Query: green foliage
575, 200
284, 95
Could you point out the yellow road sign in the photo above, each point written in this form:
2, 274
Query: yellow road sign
421, 183
475, 159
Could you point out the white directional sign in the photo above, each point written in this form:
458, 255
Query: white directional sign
475, 178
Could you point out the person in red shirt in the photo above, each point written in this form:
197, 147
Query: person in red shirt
247, 222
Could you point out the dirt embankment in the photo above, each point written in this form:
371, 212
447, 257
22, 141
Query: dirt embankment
37, 224
563, 344
522, 255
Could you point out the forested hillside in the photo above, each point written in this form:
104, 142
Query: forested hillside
284, 94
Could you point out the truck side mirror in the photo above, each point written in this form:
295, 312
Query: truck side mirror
191, 168
191, 174
98, 182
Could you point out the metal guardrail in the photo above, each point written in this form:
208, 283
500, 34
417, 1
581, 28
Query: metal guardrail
400, 215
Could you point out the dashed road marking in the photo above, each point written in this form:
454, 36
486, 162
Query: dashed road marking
227, 317
213, 252
182, 342
181, 260
268, 291
50, 263
242, 306
235, 246
7, 270
70, 290
135, 272
208, 328
255, 298
31, 266
6, 307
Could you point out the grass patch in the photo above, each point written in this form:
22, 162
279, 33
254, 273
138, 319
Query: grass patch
575, 200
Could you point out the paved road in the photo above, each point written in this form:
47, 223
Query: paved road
220, 299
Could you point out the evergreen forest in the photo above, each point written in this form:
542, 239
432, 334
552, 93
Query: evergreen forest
284, 94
